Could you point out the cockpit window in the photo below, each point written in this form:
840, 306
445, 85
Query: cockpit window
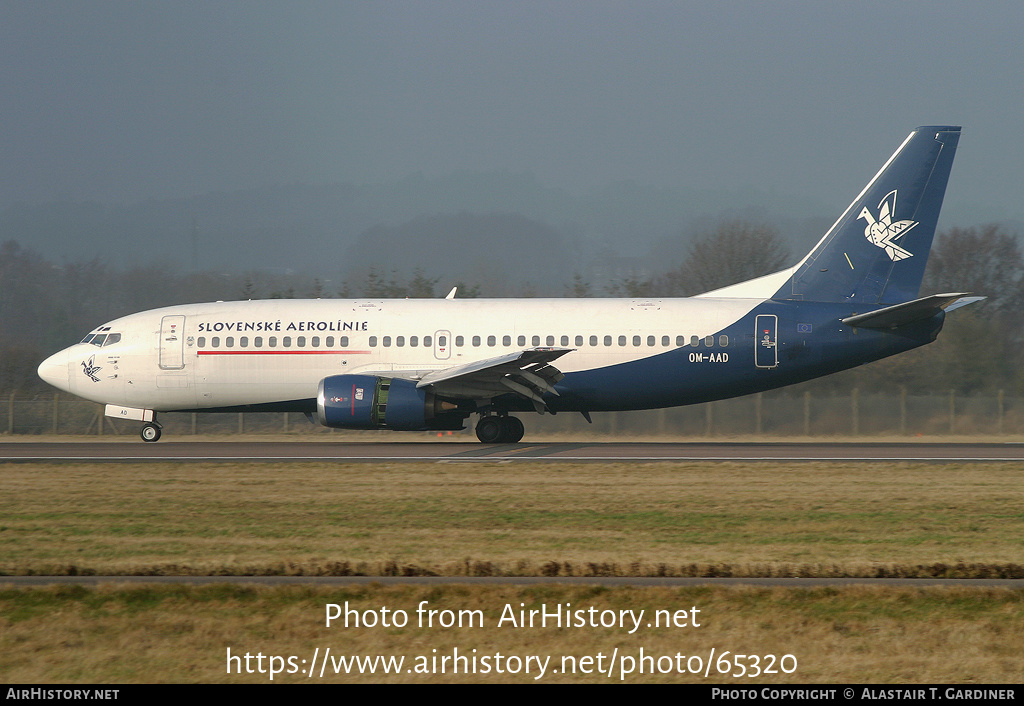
102, 339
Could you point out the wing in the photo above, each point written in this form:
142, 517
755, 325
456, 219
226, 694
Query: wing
527, 373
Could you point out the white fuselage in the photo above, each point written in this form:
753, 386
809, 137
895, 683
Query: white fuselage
225, 354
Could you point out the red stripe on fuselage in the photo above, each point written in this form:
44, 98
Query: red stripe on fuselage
282, 352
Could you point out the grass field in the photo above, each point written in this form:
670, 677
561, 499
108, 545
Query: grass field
183, 634
698, 519
513, 519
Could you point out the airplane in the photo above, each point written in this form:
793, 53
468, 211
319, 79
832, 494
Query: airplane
429, 364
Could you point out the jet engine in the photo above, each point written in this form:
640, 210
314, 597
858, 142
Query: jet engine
374, 402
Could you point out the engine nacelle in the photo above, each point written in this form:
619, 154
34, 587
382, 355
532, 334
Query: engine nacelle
373, 402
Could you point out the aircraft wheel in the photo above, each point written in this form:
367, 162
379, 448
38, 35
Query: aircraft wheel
150, 432
513, 432
490, 430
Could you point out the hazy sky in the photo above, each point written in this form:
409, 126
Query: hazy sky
121, 101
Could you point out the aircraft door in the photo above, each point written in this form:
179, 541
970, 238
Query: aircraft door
172, 342
442, 345
766, 351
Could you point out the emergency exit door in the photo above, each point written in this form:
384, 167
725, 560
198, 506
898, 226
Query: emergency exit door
442, 345
766, 350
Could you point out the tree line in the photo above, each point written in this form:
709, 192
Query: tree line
45, 306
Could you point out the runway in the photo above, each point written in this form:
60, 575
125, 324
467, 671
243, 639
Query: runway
603, 451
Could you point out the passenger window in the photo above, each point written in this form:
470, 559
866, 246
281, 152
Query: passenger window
492, 341
506, 341
229, 342
680, 341
373, 341
258, 341
550, 340
344, 341
460, 341
201, 342
476, 341
622, 340
428, 339
287, 342
521, 341
650, 340
535, 341
272, 342
593, 340
316, 341
301, 341
414, 341
579, 341
330, 342
723, 340
387, 341
563, 341
400, 341
243, 342
636, 340
607, 340
215, 342
709, 341
666, 341
694, 341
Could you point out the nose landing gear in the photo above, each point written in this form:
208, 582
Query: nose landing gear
499, 430
150, 431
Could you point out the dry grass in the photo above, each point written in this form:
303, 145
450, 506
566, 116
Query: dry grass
765, 519
181, 633
455, 519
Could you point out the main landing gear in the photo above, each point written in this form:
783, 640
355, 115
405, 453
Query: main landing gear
150, 431
499, 430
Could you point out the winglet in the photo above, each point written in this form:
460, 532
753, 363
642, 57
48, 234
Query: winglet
451, 294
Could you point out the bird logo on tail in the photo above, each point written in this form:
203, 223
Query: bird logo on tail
883, 232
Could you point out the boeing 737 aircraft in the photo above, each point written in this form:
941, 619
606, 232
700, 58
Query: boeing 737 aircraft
424, 364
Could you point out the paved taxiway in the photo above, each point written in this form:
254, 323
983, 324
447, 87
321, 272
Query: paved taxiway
134, 451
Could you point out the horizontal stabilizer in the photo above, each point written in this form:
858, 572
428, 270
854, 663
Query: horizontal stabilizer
908, 312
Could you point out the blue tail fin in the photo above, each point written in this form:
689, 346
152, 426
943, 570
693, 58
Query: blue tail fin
877, 250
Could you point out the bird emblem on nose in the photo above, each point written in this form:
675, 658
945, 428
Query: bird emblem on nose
90, 369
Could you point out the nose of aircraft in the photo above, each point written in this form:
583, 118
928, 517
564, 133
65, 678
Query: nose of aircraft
54, 370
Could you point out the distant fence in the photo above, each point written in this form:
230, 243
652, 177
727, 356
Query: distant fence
767, 414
